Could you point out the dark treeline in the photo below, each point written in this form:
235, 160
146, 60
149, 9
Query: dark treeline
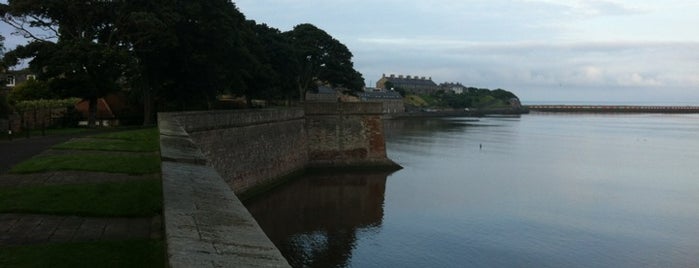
171, 54
477, 98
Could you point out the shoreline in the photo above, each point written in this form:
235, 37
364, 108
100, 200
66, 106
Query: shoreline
613, 109
457, 113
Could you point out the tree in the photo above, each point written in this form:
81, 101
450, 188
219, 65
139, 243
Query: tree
322, 59
4, 105
31, 90
148, 29
276, 65
187, 52
81, 56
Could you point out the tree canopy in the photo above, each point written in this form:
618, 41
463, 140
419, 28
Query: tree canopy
322, 59
170, 54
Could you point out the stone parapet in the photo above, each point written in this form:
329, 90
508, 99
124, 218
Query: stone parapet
209, 120
206, 225
346, 108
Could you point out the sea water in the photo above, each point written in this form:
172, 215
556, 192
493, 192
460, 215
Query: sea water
540, 190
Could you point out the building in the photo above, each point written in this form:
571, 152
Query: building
456, 88
411, 84
13, 78
392, 101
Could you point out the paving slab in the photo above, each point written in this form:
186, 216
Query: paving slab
28, 229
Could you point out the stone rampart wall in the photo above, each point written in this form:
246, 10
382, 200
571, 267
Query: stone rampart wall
346, 135
251, 148
209, 157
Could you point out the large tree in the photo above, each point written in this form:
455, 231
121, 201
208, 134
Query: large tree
76, 48
188, 52
322, 59
276, 65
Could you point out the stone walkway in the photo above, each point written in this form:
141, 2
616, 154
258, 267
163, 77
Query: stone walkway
29, 229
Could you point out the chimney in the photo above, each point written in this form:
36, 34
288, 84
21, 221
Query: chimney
408, 77
393, 76
400, 76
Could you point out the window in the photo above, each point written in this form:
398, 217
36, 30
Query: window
10, 79
31, 77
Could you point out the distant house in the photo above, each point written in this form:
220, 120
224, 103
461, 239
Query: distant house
392, 101
456, 88
13, 78
110, 110
412, 84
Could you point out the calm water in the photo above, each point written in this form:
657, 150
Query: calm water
545, 190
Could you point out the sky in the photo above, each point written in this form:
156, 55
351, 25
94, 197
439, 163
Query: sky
561, 51
545, 51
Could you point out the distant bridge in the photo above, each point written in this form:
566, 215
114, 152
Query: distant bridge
613, 109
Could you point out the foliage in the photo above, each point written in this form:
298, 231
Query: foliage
82, 58
322, 59
131, 253
44, 104
114, 199
277, 64
415, 100
471, 98
176, 55
31, 90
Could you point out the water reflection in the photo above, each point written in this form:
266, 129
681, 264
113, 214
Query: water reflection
542, 191
322, 214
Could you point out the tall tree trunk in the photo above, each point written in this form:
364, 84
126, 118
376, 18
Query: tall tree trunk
302, 90
147, 107
302, 93
92, 112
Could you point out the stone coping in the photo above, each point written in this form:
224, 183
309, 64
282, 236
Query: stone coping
206, 225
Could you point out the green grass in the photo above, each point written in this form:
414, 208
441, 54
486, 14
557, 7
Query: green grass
140, 140
140, 164
115, 199
132, 253
110, 145
138, 198
132, 135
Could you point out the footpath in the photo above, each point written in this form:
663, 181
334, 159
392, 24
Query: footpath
17, 229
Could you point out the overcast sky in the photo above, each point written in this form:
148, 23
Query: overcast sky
542, 50
643, 51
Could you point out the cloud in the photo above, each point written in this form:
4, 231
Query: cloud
591, 8
530, 65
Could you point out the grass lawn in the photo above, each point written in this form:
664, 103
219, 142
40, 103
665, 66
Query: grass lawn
137, 164
132, 135
133, 253
116, 199
138, 198
140, 140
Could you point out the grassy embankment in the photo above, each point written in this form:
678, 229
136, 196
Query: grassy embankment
130, 198
451, 101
